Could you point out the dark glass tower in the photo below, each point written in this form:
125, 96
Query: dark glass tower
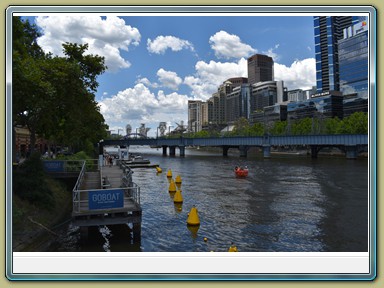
260, 68
353, 62
328, 30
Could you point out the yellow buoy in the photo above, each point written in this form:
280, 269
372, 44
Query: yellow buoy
193, 217
158, 169
232, 248
178, 179
178, 198
169, 173
205, 239
172, 186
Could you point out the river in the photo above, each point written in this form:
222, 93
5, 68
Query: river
288, 203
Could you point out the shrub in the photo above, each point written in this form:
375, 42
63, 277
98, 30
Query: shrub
29, 183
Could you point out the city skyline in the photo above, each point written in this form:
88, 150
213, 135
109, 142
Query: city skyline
157, 63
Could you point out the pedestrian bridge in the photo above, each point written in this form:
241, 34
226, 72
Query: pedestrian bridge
351, 144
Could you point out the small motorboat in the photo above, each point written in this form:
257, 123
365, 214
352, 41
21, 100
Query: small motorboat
137, 159
241, 172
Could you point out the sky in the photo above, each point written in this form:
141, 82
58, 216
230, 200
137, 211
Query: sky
157, 63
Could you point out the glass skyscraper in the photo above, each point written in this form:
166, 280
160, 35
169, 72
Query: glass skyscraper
353, 61
328, 31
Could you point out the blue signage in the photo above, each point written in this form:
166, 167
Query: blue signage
106, 199
54, 166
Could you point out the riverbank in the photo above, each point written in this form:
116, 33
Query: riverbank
35, 228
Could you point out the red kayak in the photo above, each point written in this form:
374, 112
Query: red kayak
241, 172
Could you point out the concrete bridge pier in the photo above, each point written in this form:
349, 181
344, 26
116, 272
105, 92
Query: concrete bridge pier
351, 152
182, 151
164, 150
314, 151
267, 151
172, 150
225, 150
243, 150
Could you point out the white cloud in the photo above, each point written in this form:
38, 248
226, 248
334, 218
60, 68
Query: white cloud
169, 79
162, 43
228, 46
106, 37
147, 83
210, 75
139, 105
270, 52
301, 74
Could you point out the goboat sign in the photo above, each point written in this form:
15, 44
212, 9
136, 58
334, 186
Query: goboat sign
53, 166
106, 199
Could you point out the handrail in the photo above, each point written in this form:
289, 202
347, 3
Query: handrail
131, 190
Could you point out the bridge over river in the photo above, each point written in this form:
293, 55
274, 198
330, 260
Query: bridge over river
351, 144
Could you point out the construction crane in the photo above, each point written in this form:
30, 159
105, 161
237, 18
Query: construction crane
181, 128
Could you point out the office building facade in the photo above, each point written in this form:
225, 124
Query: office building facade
195, 115
328, 31
265, 94
260, 68
238, 103
323, 105
353, 60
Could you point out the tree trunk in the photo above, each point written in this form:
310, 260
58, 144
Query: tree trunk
32, 141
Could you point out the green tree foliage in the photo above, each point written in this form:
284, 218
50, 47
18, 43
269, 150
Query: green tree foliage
29, 183
54, 96
332, 125
357, 123
302, 127
279, 128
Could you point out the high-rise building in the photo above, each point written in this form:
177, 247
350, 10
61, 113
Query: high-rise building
265, 94
260, 68
328, 31
238, 103
195, 115
353, 60
217, 110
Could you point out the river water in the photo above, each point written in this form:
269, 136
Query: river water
286, 204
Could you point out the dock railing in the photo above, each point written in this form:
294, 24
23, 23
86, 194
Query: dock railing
105, 198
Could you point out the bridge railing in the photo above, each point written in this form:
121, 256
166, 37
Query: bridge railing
340, 139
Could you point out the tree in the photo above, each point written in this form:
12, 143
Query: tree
357, 123
279, 128
332, 125
302, 127
54, 96
30, 86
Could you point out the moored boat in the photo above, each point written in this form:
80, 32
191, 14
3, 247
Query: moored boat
137, 159
241, 172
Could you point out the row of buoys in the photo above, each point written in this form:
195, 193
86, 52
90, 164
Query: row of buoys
193, 221
193, 217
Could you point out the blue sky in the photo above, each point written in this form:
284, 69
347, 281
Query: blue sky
157, 63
